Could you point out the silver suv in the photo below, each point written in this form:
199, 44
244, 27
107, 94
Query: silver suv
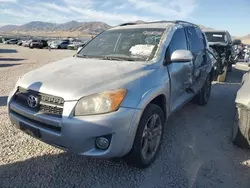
113, 97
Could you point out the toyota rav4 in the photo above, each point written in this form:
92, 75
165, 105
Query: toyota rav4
113, 97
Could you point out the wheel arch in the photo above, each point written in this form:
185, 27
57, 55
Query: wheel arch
154, 96
159, 96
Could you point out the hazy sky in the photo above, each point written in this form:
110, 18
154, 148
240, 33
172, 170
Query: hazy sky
232, 15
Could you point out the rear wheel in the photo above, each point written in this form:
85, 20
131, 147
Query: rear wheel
203, 96
230, 67
148, 138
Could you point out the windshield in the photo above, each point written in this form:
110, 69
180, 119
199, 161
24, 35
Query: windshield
216, 37
134, 44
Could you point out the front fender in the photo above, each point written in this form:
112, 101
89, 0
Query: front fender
151, 94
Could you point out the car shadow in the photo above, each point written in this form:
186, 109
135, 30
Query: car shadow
8, 65
66, 170
3, 100
5, 51
11, 59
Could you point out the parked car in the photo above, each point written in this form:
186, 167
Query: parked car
241, 126
113, 97
221, 44
20, 42
11, 41
60, 44
38, 44
26, 43
76, 45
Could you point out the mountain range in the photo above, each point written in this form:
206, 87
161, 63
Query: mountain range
90, 28
72, 28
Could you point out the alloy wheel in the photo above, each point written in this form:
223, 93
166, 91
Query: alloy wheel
151, 137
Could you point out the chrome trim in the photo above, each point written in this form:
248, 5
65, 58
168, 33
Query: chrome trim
39, 117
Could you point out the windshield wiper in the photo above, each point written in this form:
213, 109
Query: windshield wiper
115, 58
87, 56
82, 56
118, 58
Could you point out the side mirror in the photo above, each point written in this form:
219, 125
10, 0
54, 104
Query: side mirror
236, 42
181, 56
79, 49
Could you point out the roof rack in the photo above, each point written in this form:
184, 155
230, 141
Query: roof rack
184, 22
162, 21
129, 23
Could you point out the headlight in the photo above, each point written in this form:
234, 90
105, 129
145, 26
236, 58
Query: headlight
100, 103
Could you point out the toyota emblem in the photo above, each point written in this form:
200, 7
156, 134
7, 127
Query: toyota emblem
32, 101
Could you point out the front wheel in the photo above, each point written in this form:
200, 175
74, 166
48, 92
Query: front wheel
240, 138
148, 137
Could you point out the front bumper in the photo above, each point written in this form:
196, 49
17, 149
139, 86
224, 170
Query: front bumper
78, 134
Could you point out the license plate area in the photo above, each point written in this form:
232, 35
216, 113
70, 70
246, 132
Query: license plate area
34, 132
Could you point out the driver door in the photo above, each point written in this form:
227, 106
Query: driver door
180, 73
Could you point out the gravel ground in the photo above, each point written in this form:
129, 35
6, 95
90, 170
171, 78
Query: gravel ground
197, 151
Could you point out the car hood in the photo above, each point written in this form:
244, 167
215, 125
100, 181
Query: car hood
73, 78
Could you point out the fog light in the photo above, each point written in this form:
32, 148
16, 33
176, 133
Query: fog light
102, 143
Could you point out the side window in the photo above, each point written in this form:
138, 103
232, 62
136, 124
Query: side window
178, 42
229, 38
196, 40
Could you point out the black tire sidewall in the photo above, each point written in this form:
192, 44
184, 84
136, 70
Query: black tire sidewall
207, 84
200, 98
237, 137
135, 156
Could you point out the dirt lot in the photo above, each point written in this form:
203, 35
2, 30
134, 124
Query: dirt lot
197, 151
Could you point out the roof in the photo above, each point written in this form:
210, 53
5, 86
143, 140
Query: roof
215, 31
156, 24
143, 25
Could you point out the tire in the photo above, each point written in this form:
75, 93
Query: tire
229, 69
239, 139
59, 47
222, 77
135, 157
203, 95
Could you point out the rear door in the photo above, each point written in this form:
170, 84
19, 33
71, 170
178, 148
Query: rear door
180, 72
197, 45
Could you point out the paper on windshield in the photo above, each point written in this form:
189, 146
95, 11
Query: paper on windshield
218, 36
142, 50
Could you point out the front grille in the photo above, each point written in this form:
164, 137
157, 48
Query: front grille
46, 104
51, 110
37, 123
